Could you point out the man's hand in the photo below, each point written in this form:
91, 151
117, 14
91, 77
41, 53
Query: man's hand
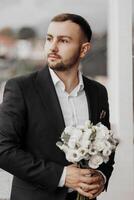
87, 182
101, 183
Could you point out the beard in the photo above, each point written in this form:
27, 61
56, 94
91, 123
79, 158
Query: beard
65, 65
59, 66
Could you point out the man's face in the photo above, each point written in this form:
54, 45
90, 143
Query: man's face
63, 45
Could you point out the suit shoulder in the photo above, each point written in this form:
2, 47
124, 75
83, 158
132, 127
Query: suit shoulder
23, 80
95, 84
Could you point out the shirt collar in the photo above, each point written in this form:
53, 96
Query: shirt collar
57, 81
54, 77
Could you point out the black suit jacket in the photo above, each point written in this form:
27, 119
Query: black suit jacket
31, 122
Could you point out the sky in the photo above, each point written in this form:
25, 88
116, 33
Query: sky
37, 13
17, 13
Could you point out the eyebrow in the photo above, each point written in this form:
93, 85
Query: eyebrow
60, 36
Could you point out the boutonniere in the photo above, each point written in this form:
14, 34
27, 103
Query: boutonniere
102, 114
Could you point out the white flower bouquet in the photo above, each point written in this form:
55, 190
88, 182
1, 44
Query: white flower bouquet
90, 143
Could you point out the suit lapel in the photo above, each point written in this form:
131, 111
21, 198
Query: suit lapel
48, 96
91, 99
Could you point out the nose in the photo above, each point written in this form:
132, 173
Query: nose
54, 46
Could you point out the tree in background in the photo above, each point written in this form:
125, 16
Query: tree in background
8, 32
26, 33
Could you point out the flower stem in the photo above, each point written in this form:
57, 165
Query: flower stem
80, 197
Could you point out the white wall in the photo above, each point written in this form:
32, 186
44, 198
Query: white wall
121, 185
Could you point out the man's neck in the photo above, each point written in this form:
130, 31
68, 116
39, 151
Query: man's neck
70, 78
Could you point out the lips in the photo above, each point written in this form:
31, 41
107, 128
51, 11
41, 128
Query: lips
54, 56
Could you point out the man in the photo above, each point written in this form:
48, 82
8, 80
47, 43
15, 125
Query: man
37, 107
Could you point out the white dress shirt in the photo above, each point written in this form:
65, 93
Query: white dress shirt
73, 105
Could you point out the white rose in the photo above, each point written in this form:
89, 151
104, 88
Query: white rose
81, 127
64, 148
76, 133
69, 130
87, 124
87, 156
106, 152
73, 156
85, 142
82, 151
92, 150
114, 142
99, 145
88, 132
72, 143
105, 159
102, 132
107, 144
74, 138
95, 161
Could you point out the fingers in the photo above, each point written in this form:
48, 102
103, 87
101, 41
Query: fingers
84, 178
87, 187
90, 191
86, 194
97, 192
93, 192
85, 172
90, 180
97, 173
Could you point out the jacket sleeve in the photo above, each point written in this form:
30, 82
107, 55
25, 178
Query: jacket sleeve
13, 158
106, 168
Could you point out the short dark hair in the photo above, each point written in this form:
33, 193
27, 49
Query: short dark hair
84, 25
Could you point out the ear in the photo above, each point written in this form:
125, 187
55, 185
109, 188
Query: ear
84, 49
